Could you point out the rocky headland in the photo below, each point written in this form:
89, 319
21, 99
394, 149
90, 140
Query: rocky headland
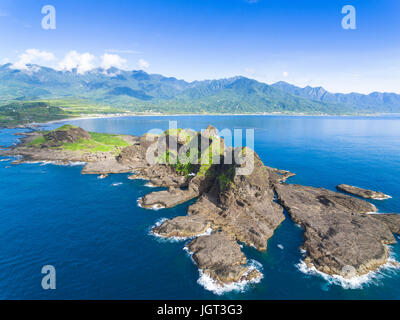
237, 203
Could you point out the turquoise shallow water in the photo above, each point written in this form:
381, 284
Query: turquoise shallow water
98, 239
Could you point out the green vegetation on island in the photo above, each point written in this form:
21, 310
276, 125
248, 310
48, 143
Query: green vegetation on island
73, 138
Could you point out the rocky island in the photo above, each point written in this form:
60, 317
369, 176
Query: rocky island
363, 193
234, 207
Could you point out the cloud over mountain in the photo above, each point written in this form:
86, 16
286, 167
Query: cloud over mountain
112, 60
74, 60
32, 56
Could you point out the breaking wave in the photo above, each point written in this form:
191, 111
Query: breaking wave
358, 282
57, 163
241, 286
174, 239
150, 185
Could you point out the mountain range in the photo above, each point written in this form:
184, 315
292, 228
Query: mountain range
143, 92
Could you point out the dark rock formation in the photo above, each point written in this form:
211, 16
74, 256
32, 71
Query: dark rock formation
391, 220
240, 208
183, 227
220, 257
68, 135
337, 232
363, 193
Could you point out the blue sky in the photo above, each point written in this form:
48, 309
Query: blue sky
298, 41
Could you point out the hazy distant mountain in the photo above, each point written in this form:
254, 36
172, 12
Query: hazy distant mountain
374, 102
140, 91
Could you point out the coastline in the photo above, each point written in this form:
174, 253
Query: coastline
155, 114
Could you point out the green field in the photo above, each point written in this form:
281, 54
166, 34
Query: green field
99, 142
19, 113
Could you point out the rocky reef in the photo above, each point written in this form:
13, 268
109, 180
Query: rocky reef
239, 200
363, 193
338, 232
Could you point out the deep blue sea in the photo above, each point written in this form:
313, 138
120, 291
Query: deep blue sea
98, 239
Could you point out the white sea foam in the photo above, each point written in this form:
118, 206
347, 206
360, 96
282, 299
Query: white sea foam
150, 185
156, 207
57, 163
280, 246
116, 184
76, 163
175, 239
358, 282
241, 286
383, 198
45, 163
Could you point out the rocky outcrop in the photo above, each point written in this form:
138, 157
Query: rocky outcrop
391, 220
236, 208
220, 257
65, 134
363, 193
337, 231
183, 227
166, 198
50, 149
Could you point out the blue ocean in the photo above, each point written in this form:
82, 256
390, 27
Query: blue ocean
97, 238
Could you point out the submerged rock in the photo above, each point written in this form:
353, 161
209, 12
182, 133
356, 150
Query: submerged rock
363, 193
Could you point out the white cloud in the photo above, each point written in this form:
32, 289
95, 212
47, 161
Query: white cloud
4, 61
143, 64
32, 56
285, 74
83, 62
112, 60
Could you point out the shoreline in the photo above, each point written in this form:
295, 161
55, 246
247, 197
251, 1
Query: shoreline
123, 115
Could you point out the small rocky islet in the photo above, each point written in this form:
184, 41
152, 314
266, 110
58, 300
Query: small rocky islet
232, 209
363, 193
